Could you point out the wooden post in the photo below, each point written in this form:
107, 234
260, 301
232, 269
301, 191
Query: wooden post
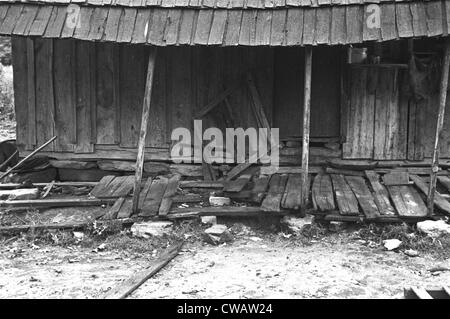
306, 120
143, 131
439, 125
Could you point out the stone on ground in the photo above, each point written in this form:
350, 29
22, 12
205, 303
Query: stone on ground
336, 226
434, 228
391, 244
212, 220
151, 228
297, 224
217, 234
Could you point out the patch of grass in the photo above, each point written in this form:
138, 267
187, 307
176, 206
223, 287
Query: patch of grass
6, 94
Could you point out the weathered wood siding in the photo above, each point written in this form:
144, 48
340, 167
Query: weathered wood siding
90, 94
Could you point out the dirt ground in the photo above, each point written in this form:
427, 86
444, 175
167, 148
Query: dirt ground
256, 265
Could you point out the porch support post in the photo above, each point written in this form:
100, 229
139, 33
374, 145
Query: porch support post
439, 125
143, 131
306, 121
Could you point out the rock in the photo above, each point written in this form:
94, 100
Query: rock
219, 201
296, 224
411, 253
391, 244
212, 220
151, 228
217, 234
78, 235
336, 226
434, 228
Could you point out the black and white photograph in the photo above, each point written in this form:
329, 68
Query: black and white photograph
224, 155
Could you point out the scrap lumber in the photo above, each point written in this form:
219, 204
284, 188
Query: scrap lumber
322, 193
292, 198
63, 202
361, 218
259, 188
129, 285
171, 190
140, 158
126, 209
48, 189
396, 178
20, 194
381, 194
237, 185
273, 199
26, 158
346, 200
144, 191
76, 225
364, 196
114, 210
201, 184
100, 187
72, 164
238, 169
270, 170
439, 126
208, 172
188, 198
154, 197
438, 199
74, 184
353, 165
445, 181
407, 201
229, 211
5, 163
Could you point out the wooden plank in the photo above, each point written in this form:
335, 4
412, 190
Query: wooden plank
438, 199
272, 202
309, 26
112, 24
143, 129
172, 27
323, 26
152, 202
292, 198
25, 20
322, 193
294, 26
233, 27
84, 23
60, 202
346, 200
263, 26
445, 181
218, 27
101, 186
126, 210
404, 20
144, 191
11, 19
98, 23
106, 94
20, 75
171, 190
65, 99
338, 32
259, 188
388, 24
419, 18
83, 52
156, 31
126, 25
203, 28
125, 187
354, 21
40, 22
115, 208
238, 184
407, 201
396, 178
364, 196
434, 19
45, 98
128, 286
31, 95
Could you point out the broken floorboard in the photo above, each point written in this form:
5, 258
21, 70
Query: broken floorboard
407, 201
381, 194
322, 193
229, 211
274, 196
347, 202
113, 187
439, 200
364, 196
292, 194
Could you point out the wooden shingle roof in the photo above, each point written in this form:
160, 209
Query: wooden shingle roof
224, 22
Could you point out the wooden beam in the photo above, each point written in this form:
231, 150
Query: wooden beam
439, 125
306, 122
143, 131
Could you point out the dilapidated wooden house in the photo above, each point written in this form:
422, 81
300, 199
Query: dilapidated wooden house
80, 72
